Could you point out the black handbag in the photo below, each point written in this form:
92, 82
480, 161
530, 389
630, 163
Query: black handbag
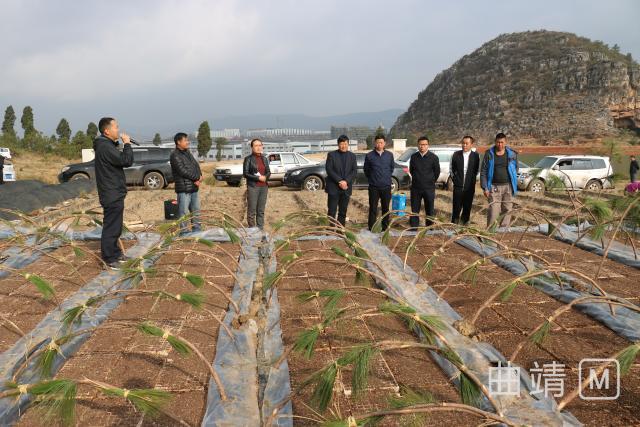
170, 209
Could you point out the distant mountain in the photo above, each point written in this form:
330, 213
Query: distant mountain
535, 86
372, 119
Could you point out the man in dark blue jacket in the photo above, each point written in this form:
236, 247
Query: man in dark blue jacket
112, 186
424, 167
341, 169
378, 168
499, 180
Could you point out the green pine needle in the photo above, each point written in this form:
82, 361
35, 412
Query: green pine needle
386, 236
79, 253
306, 341
336, 250
599, 208
597, 231
46, 359
232, 235
194, 300
541, 334
628, 357
470, 273
349, 237
428, 265
360, 357
206, 242
408, 398
177, 344
195, 279
291, 257
282, 244
362, 278
278, 225
42, 285
57, 399
271, 279
508, 289
325, 381
147, 401
74, 315
470, 393
360, 252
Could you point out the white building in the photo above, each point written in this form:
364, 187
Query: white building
225, 133
239, 150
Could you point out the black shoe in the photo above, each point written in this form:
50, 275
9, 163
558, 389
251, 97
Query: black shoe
124, 258
115, 265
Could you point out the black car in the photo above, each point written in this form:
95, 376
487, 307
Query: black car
312, 178
150, 168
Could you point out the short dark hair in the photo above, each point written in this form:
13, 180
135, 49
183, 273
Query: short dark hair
179, 136
423, 138
254, 140
343, 138
104, 123
470, 137
501, 135
379, 136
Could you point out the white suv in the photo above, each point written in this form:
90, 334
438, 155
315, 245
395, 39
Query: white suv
591, 173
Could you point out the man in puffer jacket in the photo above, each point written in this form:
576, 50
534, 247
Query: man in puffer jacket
187, 177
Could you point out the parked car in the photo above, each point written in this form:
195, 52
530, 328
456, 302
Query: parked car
150, 168
4, 151
279, 163
576, 172
8, 172
313, 177
444, 153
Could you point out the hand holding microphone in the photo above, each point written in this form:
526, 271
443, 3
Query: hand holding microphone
126, 139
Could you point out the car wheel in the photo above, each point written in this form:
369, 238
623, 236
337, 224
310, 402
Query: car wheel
79, 176
395, 185
312, 183
536, 186
449, 184
153, 181
594, 185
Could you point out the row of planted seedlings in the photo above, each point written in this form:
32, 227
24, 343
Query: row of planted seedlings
529, 327
42, 265
357, 354
137, 351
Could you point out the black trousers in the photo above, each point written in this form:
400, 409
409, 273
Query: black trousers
382, 196
462, 202
417, 197
111, 230
338, 203
1, 176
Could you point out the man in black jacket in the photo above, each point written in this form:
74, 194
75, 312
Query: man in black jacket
187, 177
341, 172
633, 169
463, 169
424, 167
1, 169
378, 168
256, 172
112, 186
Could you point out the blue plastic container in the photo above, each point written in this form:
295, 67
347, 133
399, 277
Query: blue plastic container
399, 203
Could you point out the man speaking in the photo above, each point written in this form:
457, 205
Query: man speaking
112, 186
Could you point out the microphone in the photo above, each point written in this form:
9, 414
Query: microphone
133, 141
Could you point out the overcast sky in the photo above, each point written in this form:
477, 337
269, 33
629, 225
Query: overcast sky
155, 64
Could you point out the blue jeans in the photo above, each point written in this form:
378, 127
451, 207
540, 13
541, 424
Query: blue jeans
190, 202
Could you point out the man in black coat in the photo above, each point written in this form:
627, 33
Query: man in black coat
1, 169
424, 167
633, 169
112, 186
341, 172
187, 177
256, 172
378, 168
463, 169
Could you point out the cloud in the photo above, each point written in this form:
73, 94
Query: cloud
157, 46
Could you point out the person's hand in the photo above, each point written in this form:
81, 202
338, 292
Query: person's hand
262, 178
343, 184
486, 193
125, 138
197, 183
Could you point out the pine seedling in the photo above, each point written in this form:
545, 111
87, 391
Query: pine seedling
176, 343
42, 285
627, 357
541, 334
360, 357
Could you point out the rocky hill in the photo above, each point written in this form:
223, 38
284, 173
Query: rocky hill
537, 86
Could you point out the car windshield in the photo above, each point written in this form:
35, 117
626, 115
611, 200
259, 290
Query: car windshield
404, 157
545, 162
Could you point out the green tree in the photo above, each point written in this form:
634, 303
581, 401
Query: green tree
157, 139
92, 131
64, 131
27, 122
9, 122
220, 142
204, 139
412, 141
616, 48
369, 140
81, 140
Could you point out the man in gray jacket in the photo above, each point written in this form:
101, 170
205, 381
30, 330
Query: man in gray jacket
256, 172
